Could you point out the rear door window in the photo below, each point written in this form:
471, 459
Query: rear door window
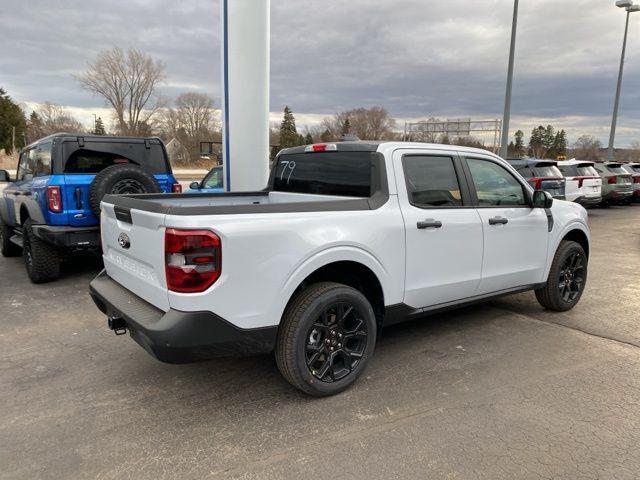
346, 174
431, 181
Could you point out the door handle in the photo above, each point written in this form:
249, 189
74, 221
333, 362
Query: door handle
498, 221
429, 223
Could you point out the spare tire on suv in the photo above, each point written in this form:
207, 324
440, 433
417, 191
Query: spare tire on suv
120, 180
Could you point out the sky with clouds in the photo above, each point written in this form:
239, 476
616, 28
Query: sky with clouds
417, 58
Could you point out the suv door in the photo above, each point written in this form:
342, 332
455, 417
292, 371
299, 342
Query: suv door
443, 235
20, 190
515, 234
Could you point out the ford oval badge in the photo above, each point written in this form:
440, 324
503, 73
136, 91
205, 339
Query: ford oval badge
123, 241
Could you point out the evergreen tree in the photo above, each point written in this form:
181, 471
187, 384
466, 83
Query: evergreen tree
99, 127
346, 127
301, 139
549, 140
35, 127
288, 132
537, 147
518, 148
308, 140
11, 116
326, 136
511, 149
560, 144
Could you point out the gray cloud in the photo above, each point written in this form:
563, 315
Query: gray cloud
416, 57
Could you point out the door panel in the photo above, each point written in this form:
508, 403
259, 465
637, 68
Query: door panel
514, 253
515, 235
443, 243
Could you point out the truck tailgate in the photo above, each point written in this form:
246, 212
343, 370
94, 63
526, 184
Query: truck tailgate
133, 252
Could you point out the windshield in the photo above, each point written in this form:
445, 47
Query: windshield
327, 173
547, 171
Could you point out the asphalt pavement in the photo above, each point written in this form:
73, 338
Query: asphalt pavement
499, 390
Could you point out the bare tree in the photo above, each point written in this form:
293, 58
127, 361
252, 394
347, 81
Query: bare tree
128, 81
587, 147
50, 118
190, 122
365, 123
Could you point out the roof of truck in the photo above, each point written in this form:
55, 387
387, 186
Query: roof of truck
378, 145
91, 137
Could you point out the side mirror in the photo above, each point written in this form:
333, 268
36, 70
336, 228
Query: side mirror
542, 199
4, 176
194, 186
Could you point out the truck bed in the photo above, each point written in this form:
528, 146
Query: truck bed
243, 202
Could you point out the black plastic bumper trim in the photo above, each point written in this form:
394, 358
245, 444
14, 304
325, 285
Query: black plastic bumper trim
77, 237
176, 336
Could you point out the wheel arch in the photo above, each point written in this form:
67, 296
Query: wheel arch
579, 236
350, 266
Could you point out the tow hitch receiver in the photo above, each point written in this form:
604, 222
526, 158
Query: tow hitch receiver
117, 324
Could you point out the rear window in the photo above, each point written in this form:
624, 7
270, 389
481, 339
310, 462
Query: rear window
616, 168
547, 171
587, 171
569, 170
94, 157
346, 174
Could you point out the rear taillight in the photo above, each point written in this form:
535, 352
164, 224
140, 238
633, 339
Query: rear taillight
176, 188
54, 199
582, 179
193, 260
535, 183
636, 179
612, 180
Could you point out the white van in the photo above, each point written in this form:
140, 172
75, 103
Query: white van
583, 184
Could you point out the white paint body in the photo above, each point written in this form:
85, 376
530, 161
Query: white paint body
266, 256
589, 188
245, 102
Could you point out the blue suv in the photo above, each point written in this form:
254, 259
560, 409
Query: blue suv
52, 208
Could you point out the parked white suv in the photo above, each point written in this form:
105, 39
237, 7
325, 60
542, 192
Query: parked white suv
347, 238
583, 183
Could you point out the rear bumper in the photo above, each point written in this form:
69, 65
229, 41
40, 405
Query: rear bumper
175, 336
618, 196
71, 237
588, 201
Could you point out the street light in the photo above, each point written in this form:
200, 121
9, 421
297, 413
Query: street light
504, 148
630, 8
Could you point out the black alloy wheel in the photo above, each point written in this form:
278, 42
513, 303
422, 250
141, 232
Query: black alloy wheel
128, 186
336, 342
571, 279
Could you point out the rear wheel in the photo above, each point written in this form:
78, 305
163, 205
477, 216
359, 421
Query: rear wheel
567, 278
326, 339
7, 248
41, 259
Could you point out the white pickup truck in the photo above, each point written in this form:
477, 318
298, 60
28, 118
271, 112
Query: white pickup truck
347, 239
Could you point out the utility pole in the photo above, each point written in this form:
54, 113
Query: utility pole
13, 139
507, 101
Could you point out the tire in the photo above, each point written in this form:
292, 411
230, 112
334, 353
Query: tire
41, 259
326, 338
564, 287
7, 248
120, 180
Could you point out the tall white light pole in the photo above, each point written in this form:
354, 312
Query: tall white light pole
504, 148
630, 7
245, 99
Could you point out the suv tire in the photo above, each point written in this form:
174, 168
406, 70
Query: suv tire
7, 248
326, 338
120, 180
567, 278
41, 259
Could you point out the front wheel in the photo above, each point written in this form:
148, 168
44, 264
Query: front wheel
326, 338
567, 278
7, 247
